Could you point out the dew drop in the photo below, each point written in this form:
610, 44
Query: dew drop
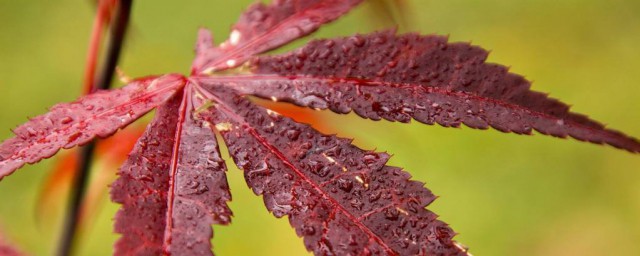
262, 170
74, 137
374, 196
345, 49
146, 178
32, 132
357, 40
345, 185
308, 230
370, 158
192, 184
302, 55
324, 54
356, 203
391, 214
287, 65
234, 38
329, 43
66, 120
292, 134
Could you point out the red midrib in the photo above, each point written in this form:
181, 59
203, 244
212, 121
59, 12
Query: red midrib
175, 153
610, 134
280, 156
106, 112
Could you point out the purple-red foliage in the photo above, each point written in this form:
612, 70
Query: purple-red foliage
71, 124
341, 199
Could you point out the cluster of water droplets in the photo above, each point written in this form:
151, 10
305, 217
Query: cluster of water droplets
340, 198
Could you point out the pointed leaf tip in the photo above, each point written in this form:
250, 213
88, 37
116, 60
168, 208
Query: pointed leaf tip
399, 78
204, 41
265, 27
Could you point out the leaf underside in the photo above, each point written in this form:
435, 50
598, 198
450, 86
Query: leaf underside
341, 199
71, 124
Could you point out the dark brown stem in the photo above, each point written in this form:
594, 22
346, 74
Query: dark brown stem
80, 180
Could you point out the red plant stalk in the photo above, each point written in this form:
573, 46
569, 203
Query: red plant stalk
102, 19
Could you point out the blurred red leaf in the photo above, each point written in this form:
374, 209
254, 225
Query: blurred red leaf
110, 154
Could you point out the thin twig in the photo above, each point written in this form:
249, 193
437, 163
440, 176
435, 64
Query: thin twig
115, 45
79, 184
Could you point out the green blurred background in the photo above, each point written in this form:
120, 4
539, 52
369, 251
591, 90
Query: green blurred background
505, 194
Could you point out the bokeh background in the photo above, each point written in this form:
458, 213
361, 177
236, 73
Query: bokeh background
505, 194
